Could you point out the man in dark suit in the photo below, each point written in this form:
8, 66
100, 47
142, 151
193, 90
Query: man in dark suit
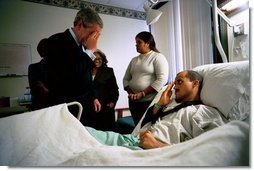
70, 64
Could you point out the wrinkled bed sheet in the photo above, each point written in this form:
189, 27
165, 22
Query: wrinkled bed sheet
54, 137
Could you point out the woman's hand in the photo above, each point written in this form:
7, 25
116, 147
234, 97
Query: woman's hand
97, 105
136, 96
111, 105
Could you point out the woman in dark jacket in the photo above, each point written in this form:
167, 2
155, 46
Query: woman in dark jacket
107, 92
37, 77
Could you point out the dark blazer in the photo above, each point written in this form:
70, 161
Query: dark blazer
69, 74
106, 85
107, 91
38, 72
69, 70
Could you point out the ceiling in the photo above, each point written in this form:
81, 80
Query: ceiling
136, 5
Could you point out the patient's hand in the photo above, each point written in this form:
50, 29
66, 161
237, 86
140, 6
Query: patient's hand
148, 141
165, 97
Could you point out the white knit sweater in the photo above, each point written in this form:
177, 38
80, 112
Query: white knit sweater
150, 69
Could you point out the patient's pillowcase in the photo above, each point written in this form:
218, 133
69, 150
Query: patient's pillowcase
226, 86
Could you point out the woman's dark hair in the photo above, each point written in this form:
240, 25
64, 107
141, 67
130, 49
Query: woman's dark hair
147, 37
42, 47
193, 75
103, 57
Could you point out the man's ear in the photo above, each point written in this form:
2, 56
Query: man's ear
195, 83
80, 23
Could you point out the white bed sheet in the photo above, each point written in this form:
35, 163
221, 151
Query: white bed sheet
54, 137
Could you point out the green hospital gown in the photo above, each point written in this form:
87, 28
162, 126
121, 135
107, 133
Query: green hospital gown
115, 139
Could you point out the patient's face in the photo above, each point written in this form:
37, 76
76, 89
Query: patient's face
183, 88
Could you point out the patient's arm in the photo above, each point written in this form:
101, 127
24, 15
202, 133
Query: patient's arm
165, 98
166, 94
148, 141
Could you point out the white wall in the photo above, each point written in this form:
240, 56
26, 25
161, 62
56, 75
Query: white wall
163, 31
239, 46
27, 23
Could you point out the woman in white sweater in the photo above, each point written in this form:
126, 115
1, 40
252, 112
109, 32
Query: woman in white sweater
146, 74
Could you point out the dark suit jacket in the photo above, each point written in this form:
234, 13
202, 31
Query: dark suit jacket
106, 86
38, 72
107, 91
69, 71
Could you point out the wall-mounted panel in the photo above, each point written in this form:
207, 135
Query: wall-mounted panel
14, 59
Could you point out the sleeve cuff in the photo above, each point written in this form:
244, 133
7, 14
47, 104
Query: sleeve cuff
90, 54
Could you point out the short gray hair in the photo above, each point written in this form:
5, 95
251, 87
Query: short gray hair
88, 17
193, 75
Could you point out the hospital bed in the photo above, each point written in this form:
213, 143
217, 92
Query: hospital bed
54, 137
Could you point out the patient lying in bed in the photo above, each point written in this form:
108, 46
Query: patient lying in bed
173, 119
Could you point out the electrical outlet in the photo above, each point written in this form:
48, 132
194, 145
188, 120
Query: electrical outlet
239, 30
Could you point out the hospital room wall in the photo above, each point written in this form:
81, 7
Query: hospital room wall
27, 23
239, 43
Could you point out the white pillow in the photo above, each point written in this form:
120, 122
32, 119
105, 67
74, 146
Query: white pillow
226, 86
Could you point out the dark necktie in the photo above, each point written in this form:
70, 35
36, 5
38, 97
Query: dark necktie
151, 118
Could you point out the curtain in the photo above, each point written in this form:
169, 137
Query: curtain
183, 34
